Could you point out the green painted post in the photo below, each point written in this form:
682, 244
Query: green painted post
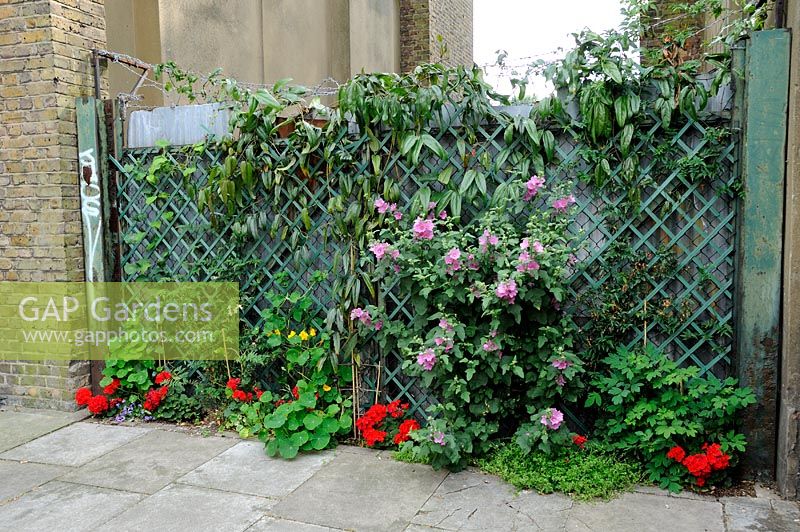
760, 238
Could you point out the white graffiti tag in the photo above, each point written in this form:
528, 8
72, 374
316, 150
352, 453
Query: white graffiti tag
90, 212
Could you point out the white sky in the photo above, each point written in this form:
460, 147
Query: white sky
532, 28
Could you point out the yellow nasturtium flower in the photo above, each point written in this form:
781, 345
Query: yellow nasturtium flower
304, 336
292, 334
277, 331
312, 332
326, 388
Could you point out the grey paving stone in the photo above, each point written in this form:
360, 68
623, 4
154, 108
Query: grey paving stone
180, 507
151, 462
273, 524
17, 428
245, 468
64, 507
18, 478
749, 514
74, 445
542, 512
638, 512
362, 492
469, 500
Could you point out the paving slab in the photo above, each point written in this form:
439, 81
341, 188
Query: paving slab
64, 507
362, 492
750, 514
179, 507
150, 462
541, 512
75, 445
245, 468
18, 478
638, 512
273, 524
17, 428
469, 500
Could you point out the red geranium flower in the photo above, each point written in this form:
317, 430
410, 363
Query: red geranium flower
98, 404
373, 436
677, 453
716, 457
405, 429
112, 388
296, 393
698, 465
579, 440
259, 392
233, 384
114, 402
239, 395
82, 396
163, 376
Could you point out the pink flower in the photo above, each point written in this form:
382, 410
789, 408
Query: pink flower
361, 315
552, 419
423, 229
524, 244
443, 215
561, 363
438, 437
427, 359
538, 247
532, 187
451, 259
431, 205
560, 380
378, 325
507, 290
472, 264
526, 263
487, 239
444, 324
397, 215
381, 205
562, 204
394, 254
490, 346
438, 340
379, 249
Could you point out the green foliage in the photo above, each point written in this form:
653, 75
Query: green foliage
583, 474
135, 376
647, 404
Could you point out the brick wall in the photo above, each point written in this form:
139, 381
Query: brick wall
452, 19
664, 21
421, 21
44, 66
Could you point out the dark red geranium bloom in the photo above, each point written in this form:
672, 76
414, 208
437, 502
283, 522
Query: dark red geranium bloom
239, 395
296, 393
579, 440
716, 457
112, 388
259, 392
82, 396
98, 404
163, 376
233, 384
676, 453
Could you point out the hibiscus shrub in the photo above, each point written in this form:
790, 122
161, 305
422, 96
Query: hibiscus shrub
651, 408
487, 335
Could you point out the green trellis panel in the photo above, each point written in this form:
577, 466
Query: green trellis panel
694, 218
760, 234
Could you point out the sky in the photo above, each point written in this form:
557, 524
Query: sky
526, 28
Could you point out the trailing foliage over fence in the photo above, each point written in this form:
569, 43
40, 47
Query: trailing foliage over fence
290, 201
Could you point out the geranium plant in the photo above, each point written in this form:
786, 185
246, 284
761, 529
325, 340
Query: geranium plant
384, 425
487, 336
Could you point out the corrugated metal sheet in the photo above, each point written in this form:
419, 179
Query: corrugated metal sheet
180, 125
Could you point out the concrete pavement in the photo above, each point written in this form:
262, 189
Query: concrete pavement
62, 474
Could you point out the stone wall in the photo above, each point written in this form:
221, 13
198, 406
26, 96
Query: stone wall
44, 65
